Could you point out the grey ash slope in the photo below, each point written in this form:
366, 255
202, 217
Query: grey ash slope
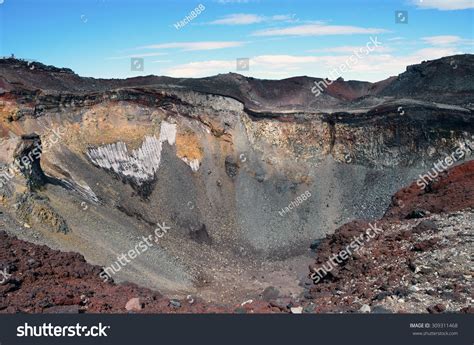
229, 152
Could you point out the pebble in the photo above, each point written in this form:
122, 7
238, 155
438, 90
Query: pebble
175, 303
246, 302
296, 310
134, 304
309, 308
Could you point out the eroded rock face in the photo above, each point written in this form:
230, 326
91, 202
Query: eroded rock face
139, 167
219, 158
22, 182
35, 210
43, 280
401, 268
27, 157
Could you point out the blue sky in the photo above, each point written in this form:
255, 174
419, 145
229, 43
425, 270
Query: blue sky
281, 38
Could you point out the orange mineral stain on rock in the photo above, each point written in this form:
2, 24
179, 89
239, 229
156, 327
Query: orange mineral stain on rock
188, 146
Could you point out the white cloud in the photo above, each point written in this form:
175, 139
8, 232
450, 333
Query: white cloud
284, 17
442, 40
318, 30
269, 63
192, 46
397, 38
200, 69
444, 5
239, 19
347, 49
135, 56
246, 19
371, 67
434, 53
283, 61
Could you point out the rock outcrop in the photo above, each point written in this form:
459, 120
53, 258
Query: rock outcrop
27, 158
218, 159
403, 269
419, 260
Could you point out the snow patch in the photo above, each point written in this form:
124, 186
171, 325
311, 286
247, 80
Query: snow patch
194, 164
139, 165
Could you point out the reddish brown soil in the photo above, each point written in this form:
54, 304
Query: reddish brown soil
452, 191
387, 264
45, 280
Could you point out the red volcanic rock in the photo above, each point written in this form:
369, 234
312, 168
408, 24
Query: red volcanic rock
49, 281
134, 304
452, 191
425, 245
436, 309
43, 280
400, 269
384, 272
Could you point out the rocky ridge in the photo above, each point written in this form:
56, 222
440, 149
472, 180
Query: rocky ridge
217, 159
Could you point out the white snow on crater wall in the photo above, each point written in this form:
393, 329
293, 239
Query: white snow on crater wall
168, 132
193, 163
141, 164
